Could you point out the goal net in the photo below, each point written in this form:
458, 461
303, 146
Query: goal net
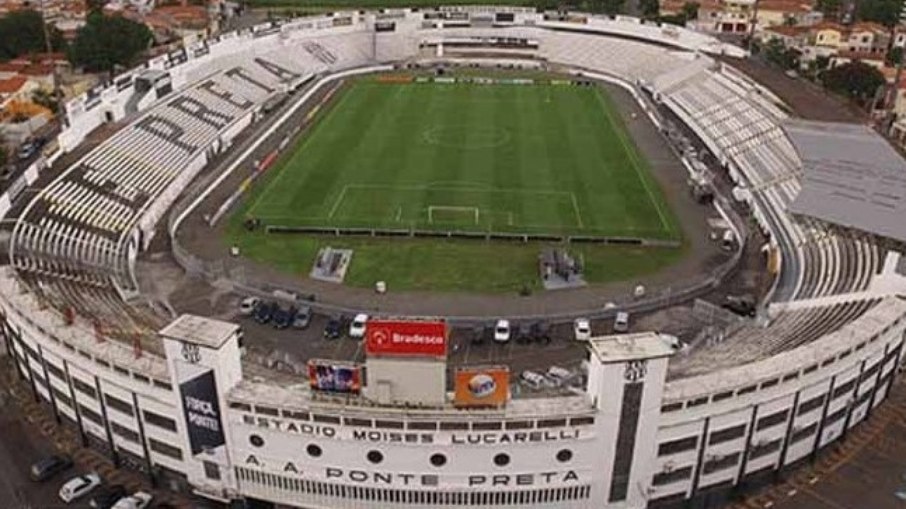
453, 215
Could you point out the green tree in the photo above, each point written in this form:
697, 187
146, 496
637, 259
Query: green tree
689, 10
22, 32
107, 41
830, 8
894, 55
856, 80
775, 51
46, 99
885, 12
95, 5
650, 8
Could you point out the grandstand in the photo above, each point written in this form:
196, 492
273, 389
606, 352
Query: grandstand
818, 360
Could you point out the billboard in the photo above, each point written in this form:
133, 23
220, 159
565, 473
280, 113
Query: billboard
202, 412
396, 337
482, 386
332, 377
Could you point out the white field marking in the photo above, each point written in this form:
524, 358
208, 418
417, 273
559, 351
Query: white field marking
336, 203
526, 190
399, 213
510, 218
632, 157
576, 210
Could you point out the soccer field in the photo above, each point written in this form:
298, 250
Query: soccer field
542, 159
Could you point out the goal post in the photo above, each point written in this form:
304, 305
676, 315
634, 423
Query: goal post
453, 214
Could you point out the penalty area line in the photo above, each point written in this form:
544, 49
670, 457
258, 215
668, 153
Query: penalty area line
336, 203
576, 210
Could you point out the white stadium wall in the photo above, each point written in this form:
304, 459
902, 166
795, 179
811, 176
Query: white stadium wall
677, 438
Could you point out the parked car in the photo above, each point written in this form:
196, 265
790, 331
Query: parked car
541, 332
48, 467
29, 149
479, 333
502, 331
333, 329
105, 497
137, 500
743, 305
525, 333
621, 322
303, 318
357, 327
248, 305
284, 316
533, 380
265, 312
79, 486
582, 329
558, 376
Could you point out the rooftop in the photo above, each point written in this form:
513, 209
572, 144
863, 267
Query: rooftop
622, 347
852, 177
12, 85
299, 397
200, 330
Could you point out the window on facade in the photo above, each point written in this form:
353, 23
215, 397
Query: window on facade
812, 404
159, 421
211, 470
118, 405
165, 449
84, 388
90, 414
672, 476
772, 420
677, 446
727, 434
124, 432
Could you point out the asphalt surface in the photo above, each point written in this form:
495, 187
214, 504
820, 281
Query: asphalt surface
20, 446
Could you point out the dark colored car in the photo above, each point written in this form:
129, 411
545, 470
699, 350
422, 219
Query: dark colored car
524, 333
541, 332
265, 312
106, 496
743, 305
333, 329
479, 334
283, 316
46, 468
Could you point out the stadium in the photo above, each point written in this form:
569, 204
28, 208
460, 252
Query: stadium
440, 151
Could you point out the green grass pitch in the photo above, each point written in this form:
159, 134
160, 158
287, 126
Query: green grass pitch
550, 159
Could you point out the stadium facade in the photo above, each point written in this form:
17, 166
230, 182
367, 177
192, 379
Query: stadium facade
650, 429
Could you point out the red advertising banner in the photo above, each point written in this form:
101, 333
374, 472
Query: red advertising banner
394, 337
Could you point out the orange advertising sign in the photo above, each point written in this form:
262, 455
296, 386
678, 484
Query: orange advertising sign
482, 386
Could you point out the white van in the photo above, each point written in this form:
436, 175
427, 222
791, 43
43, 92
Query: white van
533, 380
621, 322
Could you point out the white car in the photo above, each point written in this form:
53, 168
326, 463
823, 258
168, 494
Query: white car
79, 486
502, 331
137, 500
582, 329
248, 305
357, 327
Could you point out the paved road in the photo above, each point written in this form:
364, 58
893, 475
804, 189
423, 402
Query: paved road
19, 447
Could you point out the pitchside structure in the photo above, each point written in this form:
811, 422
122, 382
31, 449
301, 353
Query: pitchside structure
545, 160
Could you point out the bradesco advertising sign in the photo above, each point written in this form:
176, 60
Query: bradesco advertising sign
202, 412
332, 377
482, 386
395, 337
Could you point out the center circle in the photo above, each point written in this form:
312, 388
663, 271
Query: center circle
467, 137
